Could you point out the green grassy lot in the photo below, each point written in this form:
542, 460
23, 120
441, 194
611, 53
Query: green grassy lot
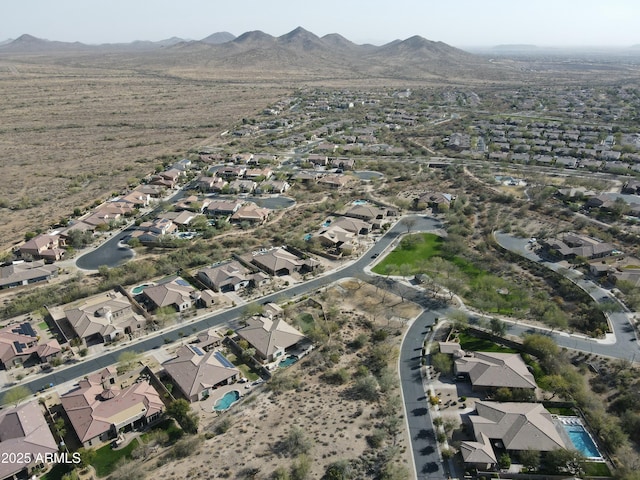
474, 344
481, 287
596, 469
427, 246
107, 458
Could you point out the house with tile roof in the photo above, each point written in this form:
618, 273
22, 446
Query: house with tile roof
102, 318
173, 292
278, 261
226, 277
270, 336
252, 213
491, 370
25, 273
197, 372
25, 433
99, 408
19, 343
45, 246
513, 426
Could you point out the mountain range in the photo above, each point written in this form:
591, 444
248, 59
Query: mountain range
299, 52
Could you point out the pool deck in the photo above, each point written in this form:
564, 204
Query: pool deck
205, 407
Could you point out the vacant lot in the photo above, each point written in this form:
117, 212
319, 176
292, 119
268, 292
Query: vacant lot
72, 134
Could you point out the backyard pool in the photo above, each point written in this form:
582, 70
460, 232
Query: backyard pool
580, 438
138, 290
288, 362
227, 400
360, 202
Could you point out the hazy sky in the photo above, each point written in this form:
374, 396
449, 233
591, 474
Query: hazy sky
456, 22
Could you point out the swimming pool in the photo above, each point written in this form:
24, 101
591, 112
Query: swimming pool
138, 290
227, 400
582, 440
360, 202
288, 361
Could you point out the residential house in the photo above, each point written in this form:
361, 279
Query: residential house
231, 172
366, 212
571, 246
353, 225
193, 204
305, 177
258, 174
252, 213
210, 184
318, 159
153, 231
516, 426
173, 292
20, 343
182, 165
436, 200
270, 337
337, 237
45, 246
25, 273
343, 163
17, 343
335, 181
278, 262
242, 186
225, 277
154, 191
168, 178
99, 408
136, 198
490, 371
25, 440
102, 318
197, 373
223, 207
181, 219
273, 186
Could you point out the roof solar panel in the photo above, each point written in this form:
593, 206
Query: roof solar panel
223, 360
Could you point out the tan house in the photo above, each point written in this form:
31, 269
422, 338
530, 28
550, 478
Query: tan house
516, 426
47, 247
271, 337
197, 372
225, 277
25, 273
489, 370
98, 409
366, 212
252, 213
19, 343
279, 261
353, 225
25, 435
174, 292
102, 318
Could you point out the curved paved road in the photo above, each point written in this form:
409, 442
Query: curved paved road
622, 344
111, 253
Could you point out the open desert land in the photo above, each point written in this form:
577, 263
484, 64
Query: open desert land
73, 135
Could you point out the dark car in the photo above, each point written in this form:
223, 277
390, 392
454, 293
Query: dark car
375, 255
